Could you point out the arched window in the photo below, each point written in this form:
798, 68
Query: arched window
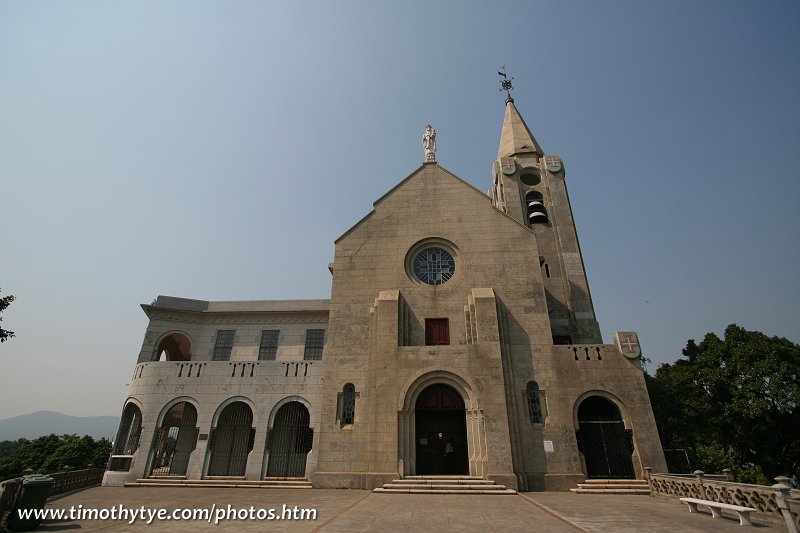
535, 208
348, 412
174, 347
534, 403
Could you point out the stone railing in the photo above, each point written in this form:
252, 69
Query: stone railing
777, 503
75, 479
232, 371
66, 481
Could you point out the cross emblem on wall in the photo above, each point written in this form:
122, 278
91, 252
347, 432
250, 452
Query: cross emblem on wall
629, 344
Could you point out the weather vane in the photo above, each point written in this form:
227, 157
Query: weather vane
505, 84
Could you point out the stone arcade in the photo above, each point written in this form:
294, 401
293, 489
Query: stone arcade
459, 338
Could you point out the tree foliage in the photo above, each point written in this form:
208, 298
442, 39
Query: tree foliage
7, 447
733, 403
52, 453
5, 301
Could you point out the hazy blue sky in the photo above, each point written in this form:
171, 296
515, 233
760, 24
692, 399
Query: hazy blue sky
215, 150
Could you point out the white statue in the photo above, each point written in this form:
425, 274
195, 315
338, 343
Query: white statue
429, 144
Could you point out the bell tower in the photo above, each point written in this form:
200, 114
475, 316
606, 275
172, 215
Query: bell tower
530, 187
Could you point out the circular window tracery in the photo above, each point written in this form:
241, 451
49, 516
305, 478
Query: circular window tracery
434, 265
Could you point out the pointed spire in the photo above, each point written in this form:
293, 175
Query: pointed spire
516, 138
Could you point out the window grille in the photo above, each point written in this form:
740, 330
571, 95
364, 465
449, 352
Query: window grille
315, 338
534, 403
130, 431
348, 404
223, 346
268, 350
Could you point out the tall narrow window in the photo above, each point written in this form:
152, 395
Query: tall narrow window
315, 339
534, 403
268, 350
437, 331
223, 346
348, 415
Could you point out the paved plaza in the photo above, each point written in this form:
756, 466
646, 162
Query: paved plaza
363, 511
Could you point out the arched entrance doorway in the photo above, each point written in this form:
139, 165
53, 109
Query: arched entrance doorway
175, 441
232, 440
130, 429
602, 438
289, 441
441, 432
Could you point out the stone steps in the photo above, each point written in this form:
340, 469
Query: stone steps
446, 481
443, 485
613, 486
222, 482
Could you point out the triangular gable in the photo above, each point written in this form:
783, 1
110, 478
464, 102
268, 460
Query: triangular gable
391, 191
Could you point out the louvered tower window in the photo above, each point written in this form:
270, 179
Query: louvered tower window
536, 212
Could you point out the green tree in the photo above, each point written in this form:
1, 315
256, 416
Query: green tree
734, 400
5, 301
8, 447
52, 453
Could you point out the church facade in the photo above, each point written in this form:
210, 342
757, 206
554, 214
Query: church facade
459, 339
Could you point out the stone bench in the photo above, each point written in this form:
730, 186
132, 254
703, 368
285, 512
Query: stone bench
716, 507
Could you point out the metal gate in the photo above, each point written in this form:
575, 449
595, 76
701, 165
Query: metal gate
607, 449
231, 441
175, 441
289, 441
602, 438
130, 430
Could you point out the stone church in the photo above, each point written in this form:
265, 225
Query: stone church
459, 340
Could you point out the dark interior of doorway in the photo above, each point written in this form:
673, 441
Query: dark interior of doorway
441, 432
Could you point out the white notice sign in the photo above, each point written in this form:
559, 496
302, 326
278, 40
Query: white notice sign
548, 446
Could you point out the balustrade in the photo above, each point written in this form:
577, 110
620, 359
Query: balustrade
777, 503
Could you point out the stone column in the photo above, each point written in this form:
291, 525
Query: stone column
782, 495
698, 474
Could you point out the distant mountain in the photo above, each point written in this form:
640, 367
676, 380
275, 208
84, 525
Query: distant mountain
40, 423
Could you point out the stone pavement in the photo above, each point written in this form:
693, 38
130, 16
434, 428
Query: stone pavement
363, 511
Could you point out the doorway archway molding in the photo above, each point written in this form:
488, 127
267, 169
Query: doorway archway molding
406, 419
